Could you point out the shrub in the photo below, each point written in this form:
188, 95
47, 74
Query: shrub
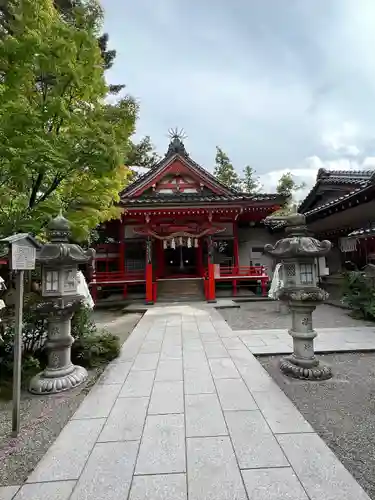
359, 295
91, 350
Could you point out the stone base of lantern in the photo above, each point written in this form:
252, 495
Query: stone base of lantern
302, 363
60, 374
290, 367
49, 382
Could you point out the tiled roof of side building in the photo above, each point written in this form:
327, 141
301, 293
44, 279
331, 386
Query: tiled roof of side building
363, 232
347, 178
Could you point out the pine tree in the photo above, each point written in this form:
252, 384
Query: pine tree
250, 182
288, 187
224, 170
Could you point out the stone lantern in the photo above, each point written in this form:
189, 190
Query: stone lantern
59, 260
298, 253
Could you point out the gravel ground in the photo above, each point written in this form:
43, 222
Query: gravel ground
341, 410
43, 418
264, 316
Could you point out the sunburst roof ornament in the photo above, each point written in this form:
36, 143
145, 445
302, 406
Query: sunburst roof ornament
176, 133
176, 145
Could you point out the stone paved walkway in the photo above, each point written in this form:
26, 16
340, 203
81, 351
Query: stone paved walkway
187, 412
279, 341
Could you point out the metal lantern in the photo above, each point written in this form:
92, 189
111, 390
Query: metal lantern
60, 260
298, 253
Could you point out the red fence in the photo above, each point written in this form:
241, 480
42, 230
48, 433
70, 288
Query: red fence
242, 272
120, 277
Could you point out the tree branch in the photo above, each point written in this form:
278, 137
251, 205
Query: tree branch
55, 184
35, 189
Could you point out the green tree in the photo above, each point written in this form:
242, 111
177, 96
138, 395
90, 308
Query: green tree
250, 182
288, 187
61, 145
142, 154
224, 170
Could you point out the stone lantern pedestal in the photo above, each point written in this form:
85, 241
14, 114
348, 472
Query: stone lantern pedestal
60, 260
298, 253
303, 363
60, 374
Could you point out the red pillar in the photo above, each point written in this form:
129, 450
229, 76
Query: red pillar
235, 247
211, 293
121, 265
149, 277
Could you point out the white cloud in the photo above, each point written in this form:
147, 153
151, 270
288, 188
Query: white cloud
278, 85
306, 172
369, 162
343, 140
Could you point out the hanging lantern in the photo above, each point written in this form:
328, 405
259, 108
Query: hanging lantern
189, 242
165, 244
173, 244
196, 243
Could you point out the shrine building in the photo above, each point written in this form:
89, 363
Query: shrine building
184, 235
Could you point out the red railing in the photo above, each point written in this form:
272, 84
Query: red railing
118, 277
242, 271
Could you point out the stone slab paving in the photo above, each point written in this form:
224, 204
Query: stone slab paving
343, 339
187, 411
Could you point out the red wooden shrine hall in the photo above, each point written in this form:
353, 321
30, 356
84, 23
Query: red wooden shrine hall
179, 224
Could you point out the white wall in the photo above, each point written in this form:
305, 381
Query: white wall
250, 238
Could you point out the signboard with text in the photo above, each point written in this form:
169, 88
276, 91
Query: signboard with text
22, 257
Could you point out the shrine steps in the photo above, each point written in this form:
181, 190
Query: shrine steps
183, 289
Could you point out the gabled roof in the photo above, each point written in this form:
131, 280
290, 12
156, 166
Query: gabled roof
177, 199
355, 179
176, 152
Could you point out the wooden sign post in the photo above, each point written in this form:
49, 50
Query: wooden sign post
22, 257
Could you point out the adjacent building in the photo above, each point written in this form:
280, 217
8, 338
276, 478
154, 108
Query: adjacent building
341, 208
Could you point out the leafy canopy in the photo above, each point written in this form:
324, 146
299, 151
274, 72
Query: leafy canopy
61, 144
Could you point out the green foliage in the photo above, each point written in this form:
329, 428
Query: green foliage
91, 351
359, 295
250, 182
142, 154
91, 346
224, 170
82, 324
288, 187
61, 144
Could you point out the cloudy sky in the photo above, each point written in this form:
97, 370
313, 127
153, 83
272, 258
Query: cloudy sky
278, 84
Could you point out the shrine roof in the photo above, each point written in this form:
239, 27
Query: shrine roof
176, 151
177, 199
208, 188
356, 179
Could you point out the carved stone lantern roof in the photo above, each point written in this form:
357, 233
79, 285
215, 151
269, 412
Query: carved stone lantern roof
59, 251
298, 243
